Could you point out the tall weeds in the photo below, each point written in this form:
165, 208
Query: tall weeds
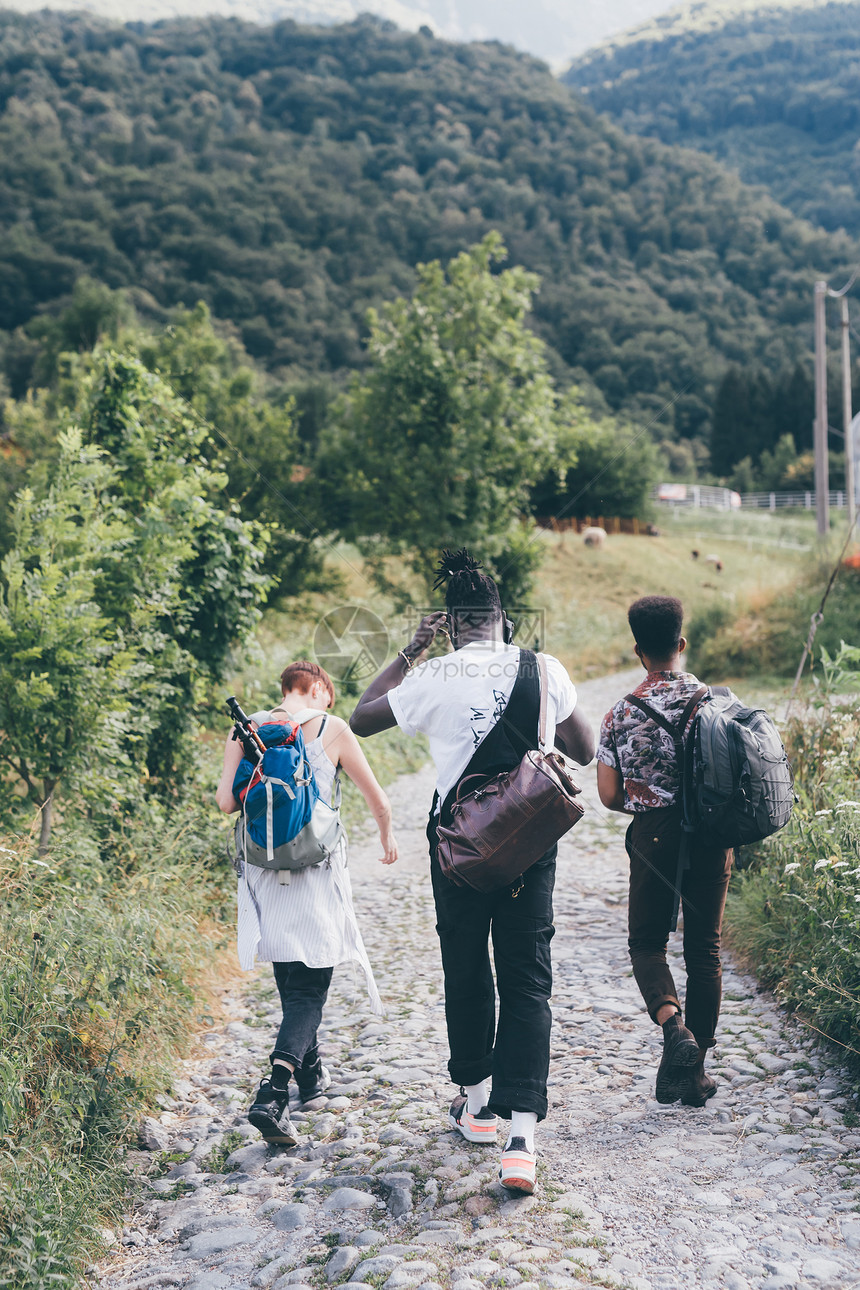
795, 912
101, 951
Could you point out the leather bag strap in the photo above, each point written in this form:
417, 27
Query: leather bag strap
544, 694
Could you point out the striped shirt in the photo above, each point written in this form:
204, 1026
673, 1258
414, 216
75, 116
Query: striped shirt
311, 918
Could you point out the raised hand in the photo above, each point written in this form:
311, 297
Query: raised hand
425, 633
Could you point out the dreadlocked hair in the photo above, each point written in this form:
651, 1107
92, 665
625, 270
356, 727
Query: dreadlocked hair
467, 588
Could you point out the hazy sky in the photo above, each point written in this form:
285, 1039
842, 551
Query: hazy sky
553, 29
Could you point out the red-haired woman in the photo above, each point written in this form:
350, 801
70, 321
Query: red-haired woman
305, 929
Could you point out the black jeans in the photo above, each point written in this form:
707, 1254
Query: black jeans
516, 1051
653, 841
303, 992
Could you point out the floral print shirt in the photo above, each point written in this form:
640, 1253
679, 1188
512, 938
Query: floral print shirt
640, 749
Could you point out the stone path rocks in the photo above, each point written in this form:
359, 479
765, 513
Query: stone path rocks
759, 1190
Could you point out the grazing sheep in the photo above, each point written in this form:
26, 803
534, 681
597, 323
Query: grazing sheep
715, 561
694, 554
594, 536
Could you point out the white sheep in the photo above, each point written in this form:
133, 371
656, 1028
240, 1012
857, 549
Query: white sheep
594, 536
715, 561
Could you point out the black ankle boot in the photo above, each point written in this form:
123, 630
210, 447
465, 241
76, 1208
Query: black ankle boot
680, 1055
269, 1113
312, 1081
700, 1087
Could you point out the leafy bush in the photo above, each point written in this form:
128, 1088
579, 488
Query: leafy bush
120, 602
101, 956
795, 912
603, 469
766, 636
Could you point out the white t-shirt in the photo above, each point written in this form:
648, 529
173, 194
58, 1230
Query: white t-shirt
456, 700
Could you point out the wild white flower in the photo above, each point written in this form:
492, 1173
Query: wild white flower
821, 864
790, 868
828, 812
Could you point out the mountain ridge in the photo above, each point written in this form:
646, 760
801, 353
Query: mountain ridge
291, 177
774, 94
550, 29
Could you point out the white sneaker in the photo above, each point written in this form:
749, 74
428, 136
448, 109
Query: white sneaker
518, 1169
474, 1128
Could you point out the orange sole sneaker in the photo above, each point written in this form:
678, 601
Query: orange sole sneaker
474, 1128
517, 1173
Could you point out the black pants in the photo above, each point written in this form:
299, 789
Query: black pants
653, 841
516, 1051
303, 992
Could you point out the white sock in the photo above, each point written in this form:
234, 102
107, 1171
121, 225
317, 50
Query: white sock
523, 1125
477, 1096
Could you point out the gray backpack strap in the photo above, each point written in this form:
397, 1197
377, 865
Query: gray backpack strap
677, 730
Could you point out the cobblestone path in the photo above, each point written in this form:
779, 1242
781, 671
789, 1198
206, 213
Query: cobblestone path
761, 1188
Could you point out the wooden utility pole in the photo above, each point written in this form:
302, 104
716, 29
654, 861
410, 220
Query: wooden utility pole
847, 415
822, 481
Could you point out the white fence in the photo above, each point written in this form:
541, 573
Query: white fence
705, 497
699, 496
779, 501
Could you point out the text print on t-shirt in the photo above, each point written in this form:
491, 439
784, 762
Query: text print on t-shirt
478, 719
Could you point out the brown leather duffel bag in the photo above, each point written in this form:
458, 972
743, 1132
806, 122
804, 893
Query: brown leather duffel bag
502, 827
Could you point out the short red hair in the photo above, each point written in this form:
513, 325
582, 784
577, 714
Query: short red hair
301, 676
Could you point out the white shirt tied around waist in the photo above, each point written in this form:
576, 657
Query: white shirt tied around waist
311, 918
456, 700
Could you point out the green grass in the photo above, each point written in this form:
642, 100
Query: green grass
584, 594
794, 914
104, 953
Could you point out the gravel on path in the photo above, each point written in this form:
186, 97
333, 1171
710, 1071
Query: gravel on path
758, 1190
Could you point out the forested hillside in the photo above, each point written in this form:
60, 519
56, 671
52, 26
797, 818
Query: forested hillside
290, 177
774, 94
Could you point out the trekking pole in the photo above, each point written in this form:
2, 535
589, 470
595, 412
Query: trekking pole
252, 745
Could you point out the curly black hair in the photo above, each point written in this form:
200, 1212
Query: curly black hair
656, 622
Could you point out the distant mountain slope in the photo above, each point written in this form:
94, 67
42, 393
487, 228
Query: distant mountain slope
552, 29
293, 176
775, 94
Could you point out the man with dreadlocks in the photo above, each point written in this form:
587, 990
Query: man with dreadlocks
487, 687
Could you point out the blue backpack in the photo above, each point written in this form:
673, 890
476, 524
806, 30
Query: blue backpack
284, 824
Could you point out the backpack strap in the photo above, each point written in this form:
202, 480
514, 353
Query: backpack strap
677, 731
303, 716
678, 728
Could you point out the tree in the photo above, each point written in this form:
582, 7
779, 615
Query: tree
602, 469
128, 585
189, 584
253, 437
65, 671
441, 441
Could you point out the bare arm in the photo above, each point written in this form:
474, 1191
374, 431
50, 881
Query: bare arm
224, 792
610, 787
345, 751
373, 711
575, 737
